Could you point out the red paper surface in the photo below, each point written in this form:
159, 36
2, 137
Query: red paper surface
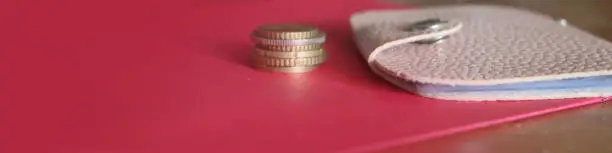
172, 76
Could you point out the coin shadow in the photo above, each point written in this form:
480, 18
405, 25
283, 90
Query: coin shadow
345, 63
235, 53
229, 51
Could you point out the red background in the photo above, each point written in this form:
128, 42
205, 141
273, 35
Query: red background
136, 76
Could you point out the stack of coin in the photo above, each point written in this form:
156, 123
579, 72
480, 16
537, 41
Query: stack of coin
288, 48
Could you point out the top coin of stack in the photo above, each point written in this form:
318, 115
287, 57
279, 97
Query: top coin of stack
288, 48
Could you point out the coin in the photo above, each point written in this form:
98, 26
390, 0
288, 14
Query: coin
296, 69
286, 31
289, 42
289, 62
288, 48
293, 54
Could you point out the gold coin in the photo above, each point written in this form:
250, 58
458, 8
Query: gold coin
289, 48
287, 31
294, 54
298, 69
289, 62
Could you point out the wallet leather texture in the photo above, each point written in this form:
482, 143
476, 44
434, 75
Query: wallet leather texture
489, 46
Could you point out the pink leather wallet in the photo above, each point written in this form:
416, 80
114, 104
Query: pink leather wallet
483, 53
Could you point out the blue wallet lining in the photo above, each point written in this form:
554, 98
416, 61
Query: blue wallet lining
574, 83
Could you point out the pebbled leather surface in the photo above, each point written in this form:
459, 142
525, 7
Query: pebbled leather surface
496, 45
